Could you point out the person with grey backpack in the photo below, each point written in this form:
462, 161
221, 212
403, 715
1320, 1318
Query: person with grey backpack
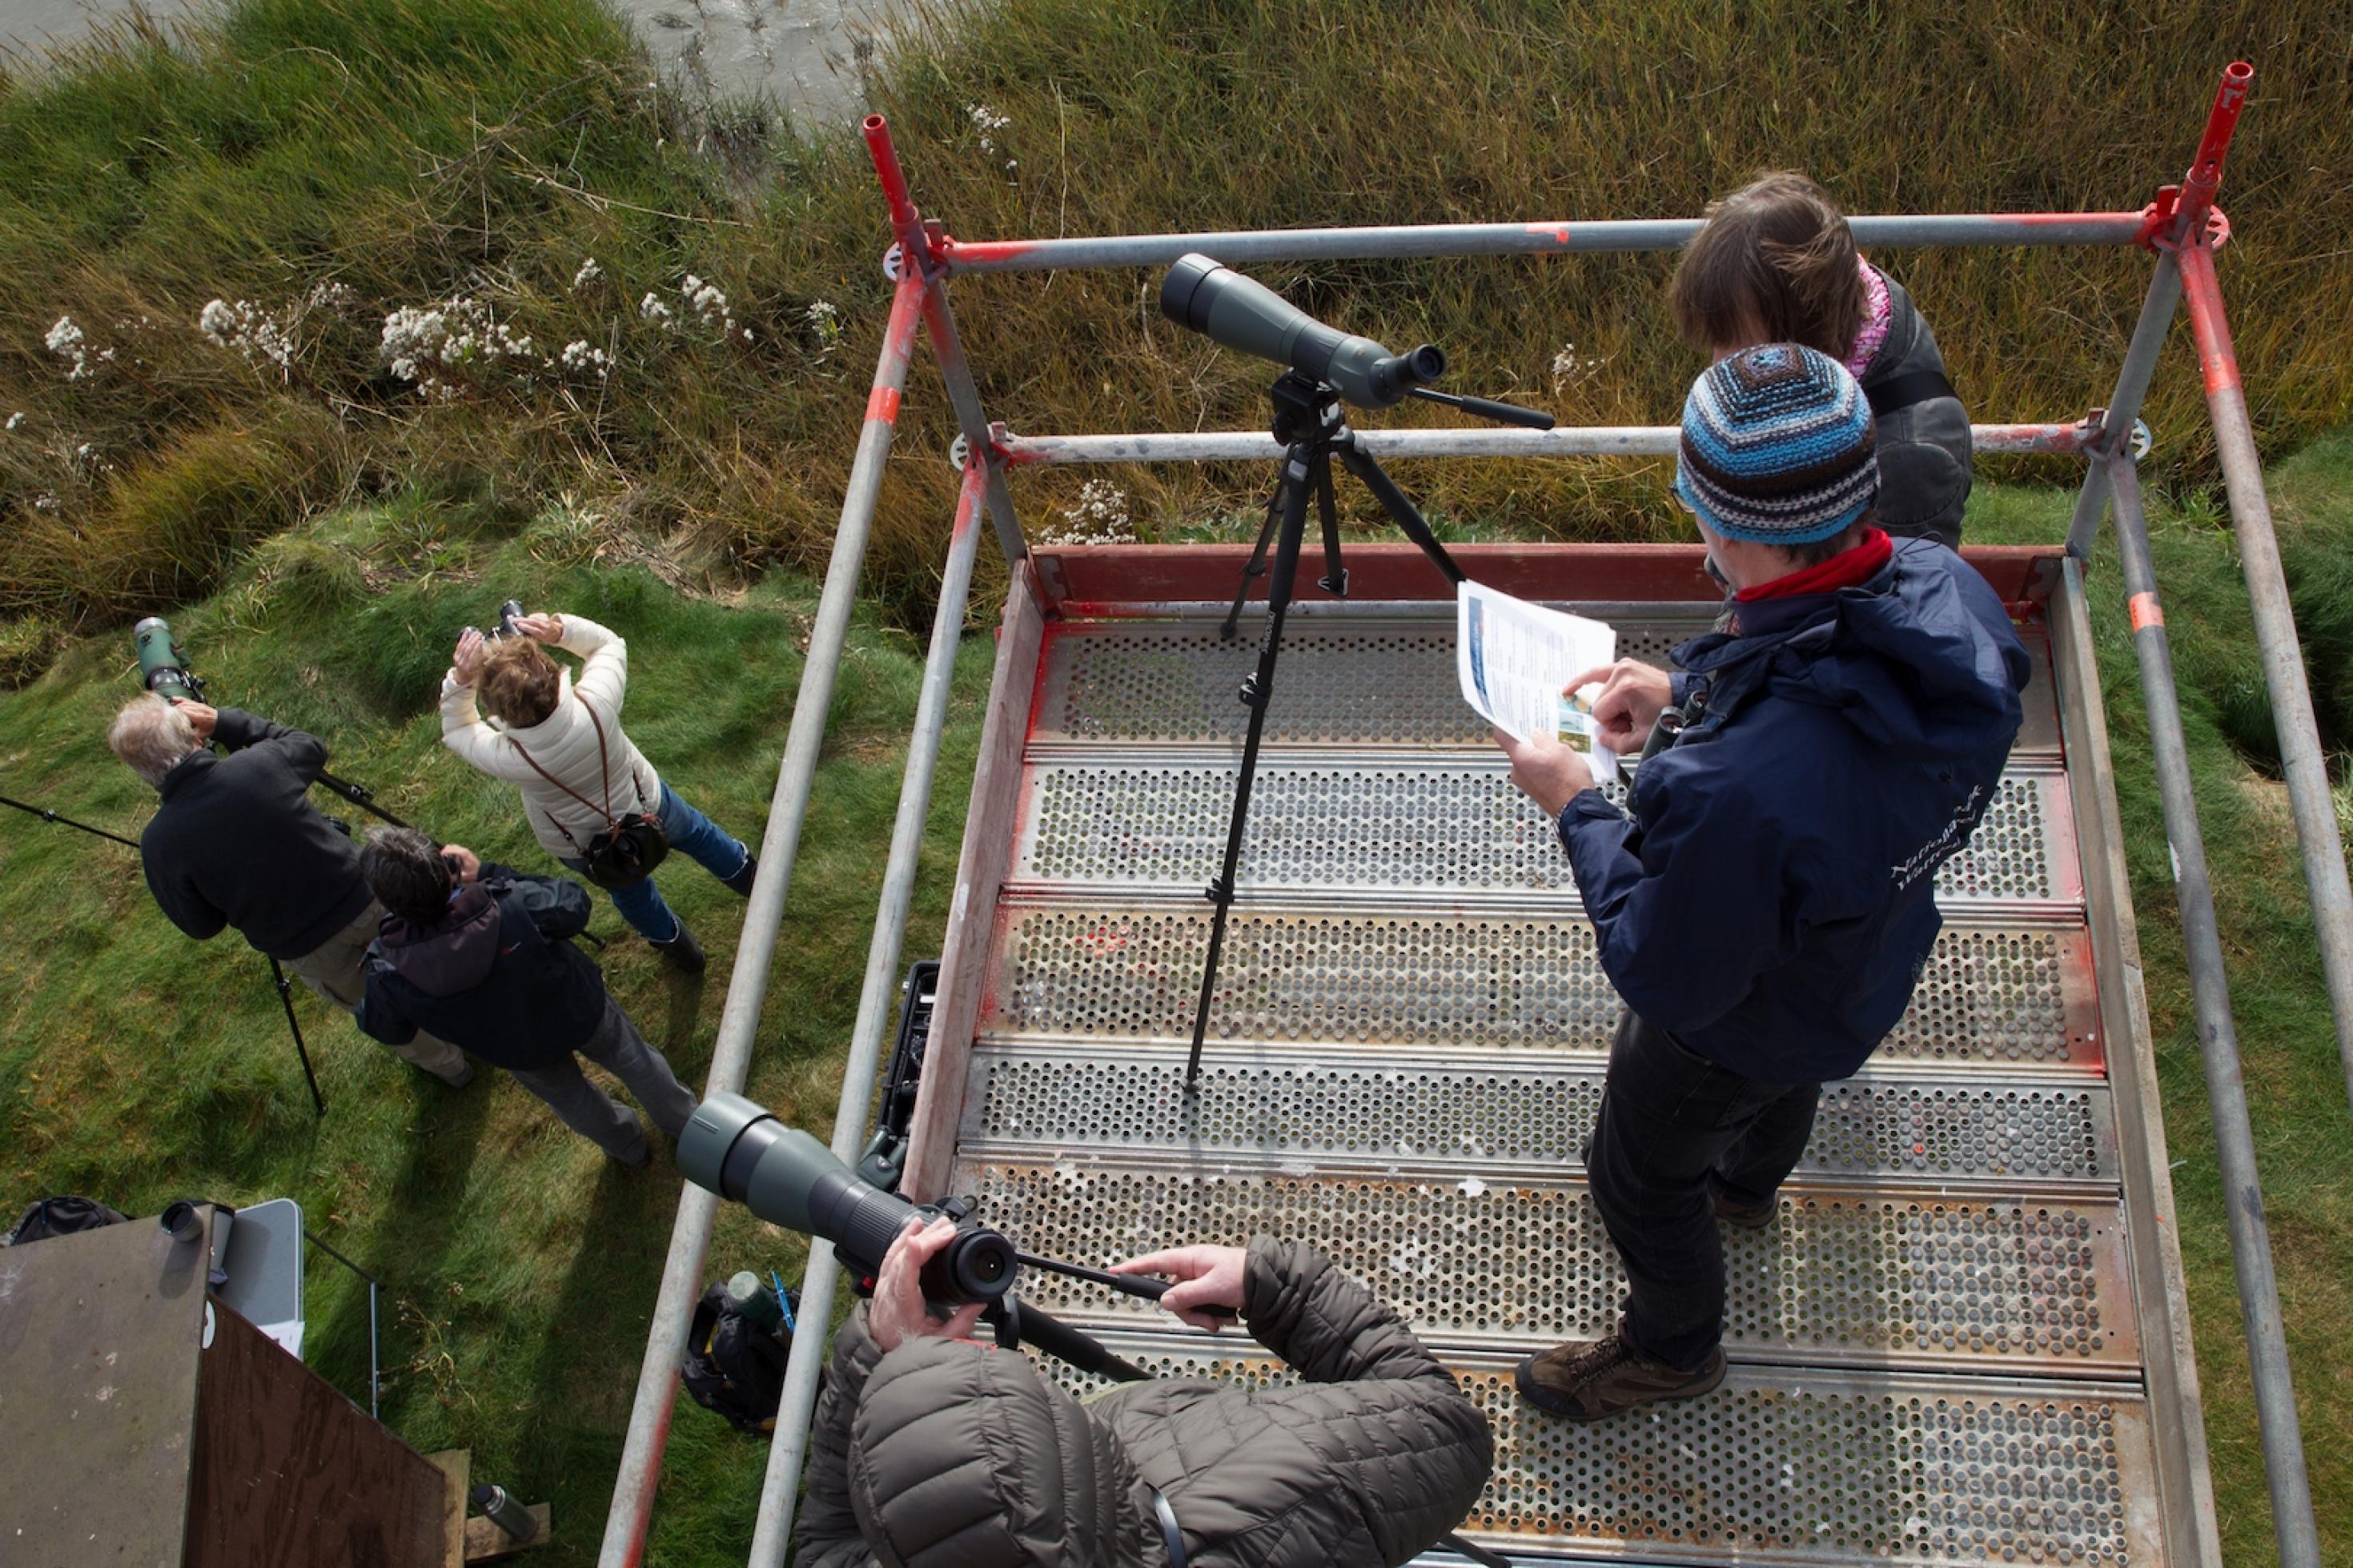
593, 800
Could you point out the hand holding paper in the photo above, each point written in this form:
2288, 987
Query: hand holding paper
1515, 661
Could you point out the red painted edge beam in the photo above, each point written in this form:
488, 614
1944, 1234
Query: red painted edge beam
1097, 579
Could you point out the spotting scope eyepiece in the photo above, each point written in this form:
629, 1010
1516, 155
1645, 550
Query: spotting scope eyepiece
1243, 314
732, 1147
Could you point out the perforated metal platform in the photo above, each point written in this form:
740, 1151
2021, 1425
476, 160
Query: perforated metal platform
1939, 1346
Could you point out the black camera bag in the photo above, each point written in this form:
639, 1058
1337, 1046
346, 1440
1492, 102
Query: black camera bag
733, 1365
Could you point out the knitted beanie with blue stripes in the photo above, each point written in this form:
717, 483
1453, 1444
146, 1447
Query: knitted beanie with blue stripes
1778, 447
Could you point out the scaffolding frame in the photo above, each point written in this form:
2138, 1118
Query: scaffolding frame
2182, 227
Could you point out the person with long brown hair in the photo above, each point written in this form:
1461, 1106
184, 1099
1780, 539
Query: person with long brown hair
1776, 263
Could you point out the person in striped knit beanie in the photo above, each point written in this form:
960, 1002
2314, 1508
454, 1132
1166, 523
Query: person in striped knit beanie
1764, 903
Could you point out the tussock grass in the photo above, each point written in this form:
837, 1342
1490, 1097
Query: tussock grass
483, 149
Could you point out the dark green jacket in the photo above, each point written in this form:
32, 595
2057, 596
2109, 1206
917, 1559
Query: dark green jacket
944, 1454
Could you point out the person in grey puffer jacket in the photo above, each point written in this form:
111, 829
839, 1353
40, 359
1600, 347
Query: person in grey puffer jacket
931, 1451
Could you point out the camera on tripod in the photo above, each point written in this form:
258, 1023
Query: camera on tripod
510, 613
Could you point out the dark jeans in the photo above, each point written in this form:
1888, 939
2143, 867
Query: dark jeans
1675, 1128
693, 834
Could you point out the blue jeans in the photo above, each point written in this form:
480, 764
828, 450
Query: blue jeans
693, 834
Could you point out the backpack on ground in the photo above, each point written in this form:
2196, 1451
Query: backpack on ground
733, 1365
61, 1217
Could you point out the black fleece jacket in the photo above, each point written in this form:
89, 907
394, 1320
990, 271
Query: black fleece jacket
495, 977
236, 842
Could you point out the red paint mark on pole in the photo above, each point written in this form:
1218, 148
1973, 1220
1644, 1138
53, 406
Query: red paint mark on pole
2202, 296
2146, 612
981, 252
882, 403
2205, 176
1556, 232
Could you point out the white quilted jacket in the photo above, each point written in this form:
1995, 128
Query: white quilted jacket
564, 743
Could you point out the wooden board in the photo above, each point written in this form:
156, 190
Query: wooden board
485, 1539
289, 1472
99, 1353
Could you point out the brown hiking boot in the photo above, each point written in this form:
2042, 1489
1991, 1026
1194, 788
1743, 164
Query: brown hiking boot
1589, 1380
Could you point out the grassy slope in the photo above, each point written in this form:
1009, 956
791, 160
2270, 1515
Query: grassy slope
518, 1268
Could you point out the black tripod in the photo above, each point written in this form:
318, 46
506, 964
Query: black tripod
1308, 421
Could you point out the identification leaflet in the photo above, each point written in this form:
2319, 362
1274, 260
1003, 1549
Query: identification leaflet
1514, 659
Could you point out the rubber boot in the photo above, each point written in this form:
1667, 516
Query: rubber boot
682, 952
741, 882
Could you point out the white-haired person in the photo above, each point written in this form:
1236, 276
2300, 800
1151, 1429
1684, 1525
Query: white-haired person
559, 740
236, 842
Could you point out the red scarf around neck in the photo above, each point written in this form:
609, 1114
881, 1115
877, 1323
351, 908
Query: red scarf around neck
1848, 569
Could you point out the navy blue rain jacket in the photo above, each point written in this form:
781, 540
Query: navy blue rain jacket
1771, 900
495, 978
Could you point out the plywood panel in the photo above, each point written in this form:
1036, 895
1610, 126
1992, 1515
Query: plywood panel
290, 1473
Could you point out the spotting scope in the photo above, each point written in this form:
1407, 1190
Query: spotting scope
739, 1151
163, 668
1249, 317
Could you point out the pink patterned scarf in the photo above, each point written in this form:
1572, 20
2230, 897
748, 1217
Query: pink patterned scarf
1876, 314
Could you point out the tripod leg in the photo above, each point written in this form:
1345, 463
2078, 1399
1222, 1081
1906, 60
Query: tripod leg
359, 795
1019, 1323
286, 999
1255, 567
1334, 580
1299, 467
1401, 511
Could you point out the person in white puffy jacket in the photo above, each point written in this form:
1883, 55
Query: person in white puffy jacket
560, 740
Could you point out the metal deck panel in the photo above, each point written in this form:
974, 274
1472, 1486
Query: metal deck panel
1131, 970
1365, 681
1892, 1278
1818, 1469
1434, 833
1467, 1114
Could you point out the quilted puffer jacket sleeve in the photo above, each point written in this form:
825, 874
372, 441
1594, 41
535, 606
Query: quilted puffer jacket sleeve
829, 1527
1330, 1328
1405, 1451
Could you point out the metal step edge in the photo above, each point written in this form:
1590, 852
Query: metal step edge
1920, 1466
1487, 759
1871, 1277
2038, 914
1962, 1071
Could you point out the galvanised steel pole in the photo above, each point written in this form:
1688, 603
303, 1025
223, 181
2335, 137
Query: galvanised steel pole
2157, 313
2193, 200
2301, 757
915, 256
1567, 441
2218, 1042
747, 987
1552, 238
788, 1448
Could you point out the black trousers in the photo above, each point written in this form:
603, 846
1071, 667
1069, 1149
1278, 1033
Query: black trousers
1673, 1130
